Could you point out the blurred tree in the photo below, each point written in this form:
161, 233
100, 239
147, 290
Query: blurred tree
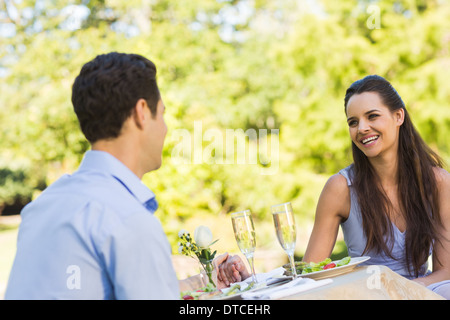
231, 64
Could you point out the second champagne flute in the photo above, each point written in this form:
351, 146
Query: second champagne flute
244, 232
283, 219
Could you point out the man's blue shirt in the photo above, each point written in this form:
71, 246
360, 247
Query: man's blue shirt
93, 235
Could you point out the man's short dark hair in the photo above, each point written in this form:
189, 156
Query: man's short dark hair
108, 88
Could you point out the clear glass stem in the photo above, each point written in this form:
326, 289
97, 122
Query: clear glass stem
291, 260
252, 267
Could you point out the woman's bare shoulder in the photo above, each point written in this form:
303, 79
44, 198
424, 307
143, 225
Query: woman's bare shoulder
442, 176
442, 181
443, 185
337, 183
336, 195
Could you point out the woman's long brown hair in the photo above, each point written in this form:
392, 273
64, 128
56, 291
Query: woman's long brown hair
417, 186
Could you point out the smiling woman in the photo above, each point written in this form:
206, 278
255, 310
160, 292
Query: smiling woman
393, 202
373, 127
390, 159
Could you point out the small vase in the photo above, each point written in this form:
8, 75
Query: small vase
208, 270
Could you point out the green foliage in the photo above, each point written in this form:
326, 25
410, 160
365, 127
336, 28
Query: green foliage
15, 186
231, 65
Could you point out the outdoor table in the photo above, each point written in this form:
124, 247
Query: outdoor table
368, 283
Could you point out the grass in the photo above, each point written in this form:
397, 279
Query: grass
8, 238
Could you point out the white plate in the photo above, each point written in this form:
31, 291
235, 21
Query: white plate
316, 275
274, 281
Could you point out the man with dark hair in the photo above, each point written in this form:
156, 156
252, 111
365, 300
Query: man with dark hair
93, 234
107, 89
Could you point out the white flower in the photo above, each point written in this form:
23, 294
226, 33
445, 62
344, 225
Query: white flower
203, 236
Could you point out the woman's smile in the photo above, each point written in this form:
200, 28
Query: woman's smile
369, 141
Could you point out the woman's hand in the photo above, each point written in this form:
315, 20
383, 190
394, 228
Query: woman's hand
232, 269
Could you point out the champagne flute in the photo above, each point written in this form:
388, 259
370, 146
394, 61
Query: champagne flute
244, 232
283, 219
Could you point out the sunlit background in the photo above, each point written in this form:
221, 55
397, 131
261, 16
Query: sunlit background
274, 66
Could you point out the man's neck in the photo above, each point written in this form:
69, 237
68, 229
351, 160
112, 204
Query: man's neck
123, 150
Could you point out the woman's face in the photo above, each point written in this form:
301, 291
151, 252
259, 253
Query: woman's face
372, 126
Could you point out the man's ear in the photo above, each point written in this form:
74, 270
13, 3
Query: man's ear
140, 113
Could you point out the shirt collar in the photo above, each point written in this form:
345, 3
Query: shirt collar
104, 162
